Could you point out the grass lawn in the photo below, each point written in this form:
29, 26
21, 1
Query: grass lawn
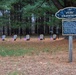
36, 57
34, 46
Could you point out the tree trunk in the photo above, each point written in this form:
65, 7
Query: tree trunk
57, 4
66, 3
8, 30
3, 30
20, 32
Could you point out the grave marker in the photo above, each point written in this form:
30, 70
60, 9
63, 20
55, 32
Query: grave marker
3, 37
15, 37
41, 37
54, 36
27, 37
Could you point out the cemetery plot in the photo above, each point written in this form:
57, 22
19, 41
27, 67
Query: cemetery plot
31, 57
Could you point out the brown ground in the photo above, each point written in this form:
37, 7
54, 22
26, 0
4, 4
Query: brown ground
42, 64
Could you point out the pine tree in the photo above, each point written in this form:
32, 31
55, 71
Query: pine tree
21, 11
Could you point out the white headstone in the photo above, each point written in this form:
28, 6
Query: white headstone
54, 36
27, 37
41, 36
15, 37
3, 37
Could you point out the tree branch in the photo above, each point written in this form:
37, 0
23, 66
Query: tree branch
57, 4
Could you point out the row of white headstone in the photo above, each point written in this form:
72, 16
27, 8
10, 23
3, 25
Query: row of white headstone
41, 37
14, 37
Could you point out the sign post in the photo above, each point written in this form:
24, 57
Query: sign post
70, 48
68, 16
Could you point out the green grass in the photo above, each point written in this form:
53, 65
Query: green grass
15, 73
15, 52
21, 48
